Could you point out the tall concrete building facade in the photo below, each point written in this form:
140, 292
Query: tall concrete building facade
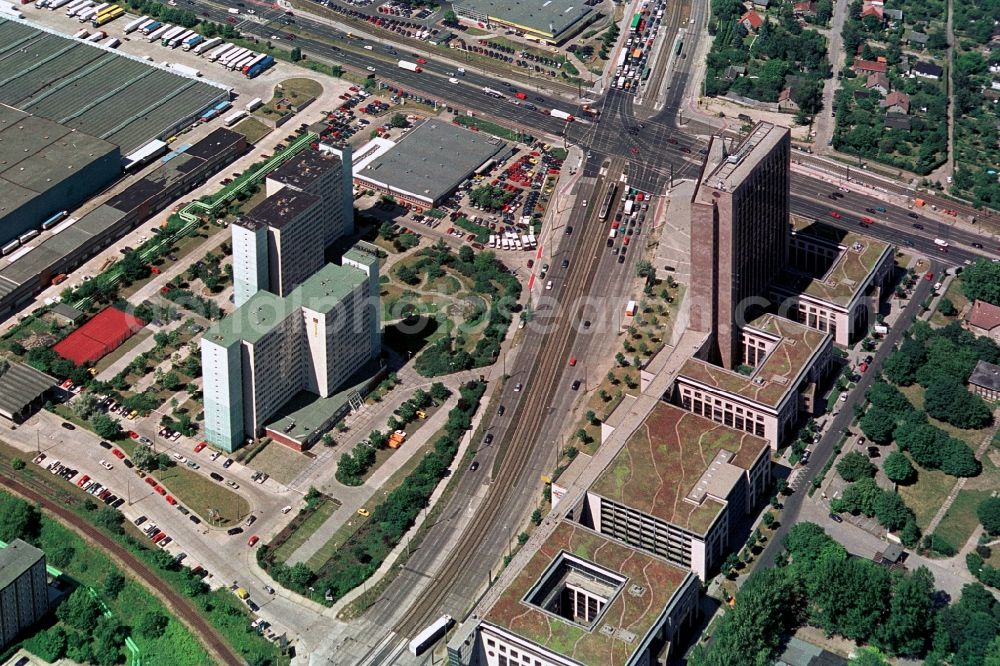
24, 596
326, 174
739, 233
278, 244
272, 347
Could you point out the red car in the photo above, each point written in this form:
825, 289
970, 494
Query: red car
118, 454
170, 500
150, 480
133, 434
82, 482
421, 61
866, 221
572, 361
929, 276
863, 367
154, 270
199, 446
834, 214
253, 541
160, 489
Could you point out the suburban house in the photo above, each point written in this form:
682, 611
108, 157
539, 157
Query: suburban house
985, 381
762, 5
898, 121
873, 10
751, 20
984, 319
785, 101
803, 9
894, 16
869, 66
928, 70
914, 38
896, 102
878, 81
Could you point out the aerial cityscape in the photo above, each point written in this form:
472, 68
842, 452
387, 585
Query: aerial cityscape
499, 333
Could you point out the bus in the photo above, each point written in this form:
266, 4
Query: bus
677, 48
54, 220
609, 198
645, 74
635, 22
431, 635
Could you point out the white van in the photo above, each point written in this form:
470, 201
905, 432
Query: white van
453, 80
461, 71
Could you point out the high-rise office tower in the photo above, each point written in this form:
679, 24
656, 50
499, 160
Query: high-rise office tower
739, 233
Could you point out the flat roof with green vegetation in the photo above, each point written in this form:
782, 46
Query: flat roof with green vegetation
781, 370
661, 470
626, 612
857, 260
264, 311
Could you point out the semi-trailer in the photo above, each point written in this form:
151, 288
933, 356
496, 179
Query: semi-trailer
97, 36
255, 103
150, 26
78, 5
56, 4
132, 26
253, 62
114, 43
184, 69
86, 14
234, 118
192, 41
561, 115
219, 51
229, 56
28, 235
260, 67
54, 220
206, 45
156, 34
170, 34
80, 34
107, 17
238, 64
179, 39
410, 66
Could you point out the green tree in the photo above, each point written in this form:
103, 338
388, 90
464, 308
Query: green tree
49, 644
898, 468
113, 585
988, 513
18, 520
536, 517
854, 466
398, 120
948, 400
296, 54
878, 425
152, 624
868, 656
144, 458
847, 597
947, 308
981, 281
80, 610
902, 365
84, 405
17, 464
105, 426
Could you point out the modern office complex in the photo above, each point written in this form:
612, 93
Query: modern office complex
24, 592
278, 244
586, 600
834, 281
739, 233
787, 364
273, 347
326, 175
681, 487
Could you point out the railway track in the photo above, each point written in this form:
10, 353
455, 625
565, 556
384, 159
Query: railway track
543, 381
39, 493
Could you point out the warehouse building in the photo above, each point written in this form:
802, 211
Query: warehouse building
553, 21
583, 599
73, 110
46, 167
272, 348
682, 487
427, 165
73, 242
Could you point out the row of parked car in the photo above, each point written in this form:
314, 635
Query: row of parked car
89, 485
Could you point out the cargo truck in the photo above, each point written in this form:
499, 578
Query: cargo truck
56, 4
255, 103
260, 67
234, 118
150, 26
206, 45
561, 115
114, 43
81, 34
132, 26
78, 6
219, 51
410, 66
191, 42
236, 53
237, 63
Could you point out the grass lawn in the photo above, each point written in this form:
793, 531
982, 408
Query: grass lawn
955, 294
960, 520
340, 537
306, 530
253, 129
490, 128
201, 493
927, 495
280, 462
